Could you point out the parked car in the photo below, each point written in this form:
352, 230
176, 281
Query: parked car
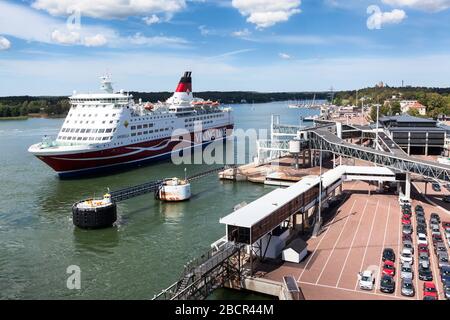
366, 280
423, 256
423, 248
429, 290
433, 220
435, 230
436, 216
425, 273
407, 256
418, 208
436, 238
387, 284
421, 220
404, 201
420, 214
446, 225
421, 229
406, 220
389, 268
445, 273
436, 187
408, 288
406, 271
422, 239
388, 254
406, 237
407, 229
408, 245
446, 286
442, 258
406, 209
440, 247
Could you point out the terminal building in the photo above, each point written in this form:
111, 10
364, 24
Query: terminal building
417, 136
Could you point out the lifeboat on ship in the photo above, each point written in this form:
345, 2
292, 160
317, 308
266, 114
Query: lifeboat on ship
149, 106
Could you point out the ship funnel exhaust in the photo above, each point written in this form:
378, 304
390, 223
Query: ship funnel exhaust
185, 84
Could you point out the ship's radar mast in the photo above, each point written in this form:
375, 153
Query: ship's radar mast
106, 84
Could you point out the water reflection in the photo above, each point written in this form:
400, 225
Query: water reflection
97, 242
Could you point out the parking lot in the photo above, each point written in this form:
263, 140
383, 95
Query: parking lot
353, 241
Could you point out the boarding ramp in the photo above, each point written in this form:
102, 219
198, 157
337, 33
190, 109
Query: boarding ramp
207, 273
322, 139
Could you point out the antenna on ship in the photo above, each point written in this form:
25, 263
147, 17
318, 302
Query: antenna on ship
107, 83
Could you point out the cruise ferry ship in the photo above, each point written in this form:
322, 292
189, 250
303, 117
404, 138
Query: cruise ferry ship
109, 130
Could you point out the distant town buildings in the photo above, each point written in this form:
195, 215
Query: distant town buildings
407, 105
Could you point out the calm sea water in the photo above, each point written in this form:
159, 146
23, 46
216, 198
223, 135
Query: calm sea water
142, 255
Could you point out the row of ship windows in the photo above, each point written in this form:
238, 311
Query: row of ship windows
92, 122
140, 133
149, 118
201, 118
149, 125
85, 138
73, 130
193, 124
122, 100
90, 115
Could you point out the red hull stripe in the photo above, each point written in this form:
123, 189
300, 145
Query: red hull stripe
116, 156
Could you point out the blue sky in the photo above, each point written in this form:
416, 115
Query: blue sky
57, 46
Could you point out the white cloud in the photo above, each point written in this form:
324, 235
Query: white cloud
141, 40
95, 41
204, 31
241, 33
65, 37
378, 18
109, 9
284, 56
5, 44
266, 13
42, 28
152, 20
425, 5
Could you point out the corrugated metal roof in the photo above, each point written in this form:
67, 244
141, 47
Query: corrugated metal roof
261, 208
406, 118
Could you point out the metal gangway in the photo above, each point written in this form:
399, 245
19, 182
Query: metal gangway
323, 139
388, 145
153, 186
207, 273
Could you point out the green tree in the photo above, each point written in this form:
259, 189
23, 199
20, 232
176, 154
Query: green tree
413, 112
396, 108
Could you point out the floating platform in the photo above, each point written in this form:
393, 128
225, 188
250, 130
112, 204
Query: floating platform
174, 189
94, 213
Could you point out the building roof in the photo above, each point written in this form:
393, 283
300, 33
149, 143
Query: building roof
298, 245
263, 207
416, 129
406, 118
417, 105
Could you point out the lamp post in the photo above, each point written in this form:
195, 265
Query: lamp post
320, 186
378, 115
